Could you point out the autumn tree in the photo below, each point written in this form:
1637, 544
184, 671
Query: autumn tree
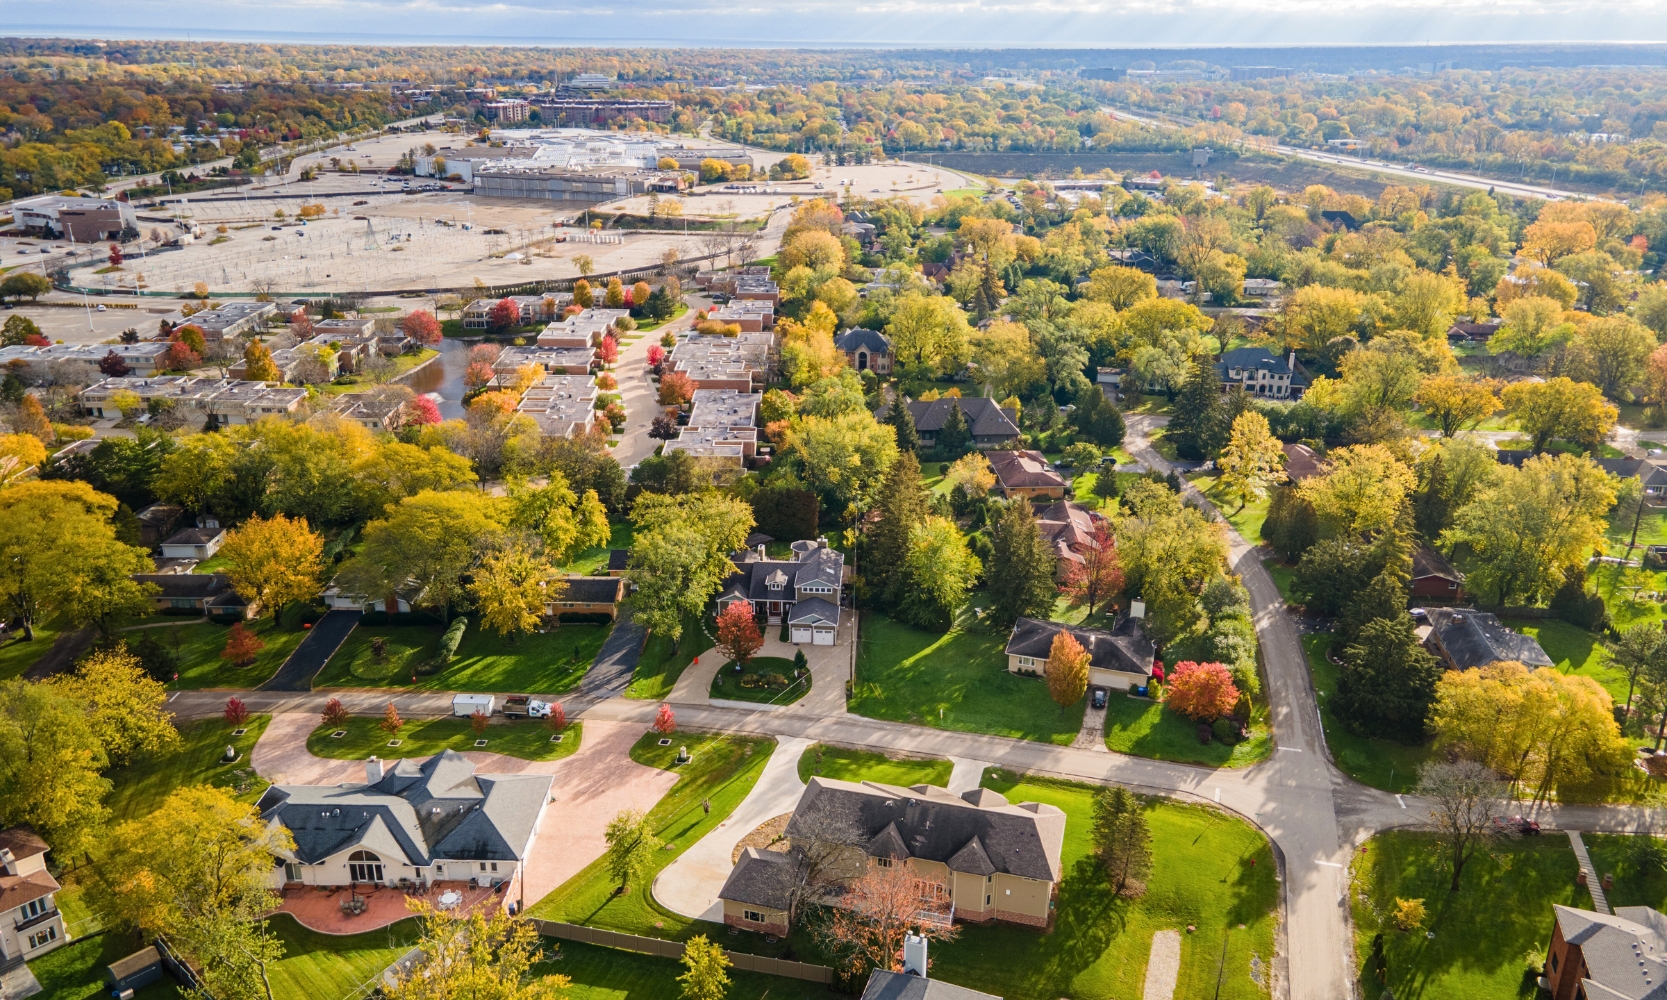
738, 635
335, 714
1465, 798
665, 720
864, 929
273, 561
1560, 408
631, 846
482, 953
1122, 844
122, 706
258, 365
1098, 578
1201, 691
513, 587
1364, 491
430, 540
1253, 461
1066, 670
59, 554
391, 722
421, 326
676, 388
705, 970
1457, 400
242, 646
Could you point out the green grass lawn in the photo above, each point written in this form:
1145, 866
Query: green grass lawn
607, 974
75, 971
1489, 937
1202, 875
139, 788
1623, 588
1637, 882
199, 644
1147, 728
1383, 764
528, 739
728, 684
1555, 447
1574, 651
537, 663
682, 309
661, 664
956, 680
17, 656
868, 765
402, 364
594, 560
1247, 522
322, 966
1282, 577
723, 770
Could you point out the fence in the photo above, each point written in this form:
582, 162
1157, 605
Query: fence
674, 949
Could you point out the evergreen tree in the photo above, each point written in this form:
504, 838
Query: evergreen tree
1431, 509
1198, 424
1097, 418
908, 439
1384, 598
1387, 682
1105, 484
1021, 567
902, 504
955, 437
1330, 574
1122, 843
1291, 527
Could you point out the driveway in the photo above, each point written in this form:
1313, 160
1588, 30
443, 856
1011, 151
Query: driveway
326, 636
610, 673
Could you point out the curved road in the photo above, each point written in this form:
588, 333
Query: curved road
1315, 815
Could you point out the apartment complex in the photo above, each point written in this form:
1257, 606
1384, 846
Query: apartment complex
224, 401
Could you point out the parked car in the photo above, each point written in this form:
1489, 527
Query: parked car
1099, 699
519, 706
1516, 826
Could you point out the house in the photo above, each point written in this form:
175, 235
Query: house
79, 220
1472, 331
30, 924
1069, 530
758, 892
619, 560
1301, 462
910, 985
194, 543
588, 595
1262, 288
722, 425
373, 414
975, 856
866, 350
398, 602
1464, 638
1026, 474
1653, 476
751, 315
1121, 658
991, 426
438, 820
803, 591
1603, 956
1257, 371
230, 320
1433, 577
157, 522
209, 594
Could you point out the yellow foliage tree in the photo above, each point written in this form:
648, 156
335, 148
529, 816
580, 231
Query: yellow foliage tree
272, 561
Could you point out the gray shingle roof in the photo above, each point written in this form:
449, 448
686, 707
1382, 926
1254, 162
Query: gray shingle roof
935, 825
983, 416
813, 611
1427, 562
761, 878
199, 586
592, 589
1125, 648
1475, 639
858, 338
884, 985
1625, 953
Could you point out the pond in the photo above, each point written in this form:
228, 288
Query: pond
442, 378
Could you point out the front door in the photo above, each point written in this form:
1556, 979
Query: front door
775, 611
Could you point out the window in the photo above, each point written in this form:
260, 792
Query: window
181, 602
883, 862
33, 908
363, 866
753, 915
292, 872
930, 890
1553, 962
494, 866
46, 936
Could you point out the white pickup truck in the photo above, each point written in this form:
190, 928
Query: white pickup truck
518, 706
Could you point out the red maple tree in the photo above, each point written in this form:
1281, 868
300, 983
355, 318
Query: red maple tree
1093, 581
609, 351
738, 634
505, 314
236, 712
421, 326
665, 720
335, 713
656, 354
1201, 690
676, 388
242, 646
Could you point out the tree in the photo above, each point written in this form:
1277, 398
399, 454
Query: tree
1291, 526
1004, 358
50, 764
482, 954
20, 284
665, 720
1530, 525
273, 561
428, 540
1122, 844
1560, 408
680, 556
1098, 419
631, 846
242, 646
19, 330
123, 707
676, 388
1465, 798
1099, 576
112, 366
902, 421
1610, 352
843, 458
1253, 460
738, 635
30, 418
1457, 400
1198, 424
258, 365
335, 713
1021, 570
1120, 287
513, 587
178, 358
421, 326
236, 712
391, 722
936, 575
396, 470
59, 553
197, 870
1066, 670
1387, 683
704, 977
1330, 573
954, 437
504, 315
1201, 691
901, 503
928, 334
567, 524
864, 929
1363, 492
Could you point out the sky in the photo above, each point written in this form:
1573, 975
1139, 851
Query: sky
823, 23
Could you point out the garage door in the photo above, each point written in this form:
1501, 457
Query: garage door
824, 637
801, 633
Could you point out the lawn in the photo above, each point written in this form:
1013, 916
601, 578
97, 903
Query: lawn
1382, 764
198, 646
402, 364
682, 308
956, 680
322, 966
867, 765
594, 560
528, 739
607, 974
1147, 728
1623, 589
1637, 882
537, 662
75, 971
723, 770
1484, 942
1247, 522
662, 662
756, 684
140, 787
1209, 870
1282, 577
1574, 651
18, 656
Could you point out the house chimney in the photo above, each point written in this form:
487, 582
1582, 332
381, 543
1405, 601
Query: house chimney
1291, 361
914, 955
1137, 609
373, 771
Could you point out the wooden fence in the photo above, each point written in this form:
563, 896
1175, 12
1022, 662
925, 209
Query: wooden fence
674, 949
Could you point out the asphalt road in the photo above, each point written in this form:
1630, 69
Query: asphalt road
308, 658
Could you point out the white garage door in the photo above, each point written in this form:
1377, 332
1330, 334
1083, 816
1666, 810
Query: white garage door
824, 637
801, 633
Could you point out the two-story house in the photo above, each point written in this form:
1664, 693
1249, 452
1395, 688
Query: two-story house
1257, 371
803, 591
30, 924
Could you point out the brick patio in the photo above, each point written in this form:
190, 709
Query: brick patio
319, 908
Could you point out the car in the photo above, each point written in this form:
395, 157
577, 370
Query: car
46, 250
1516, 826
1099, 699
519, 705
358, 203
101, 307
277, 229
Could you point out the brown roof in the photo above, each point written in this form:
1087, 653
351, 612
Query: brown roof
1019, 469
1301, 462
1428, 563
23, 842
15, 890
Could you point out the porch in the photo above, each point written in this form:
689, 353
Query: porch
331, 909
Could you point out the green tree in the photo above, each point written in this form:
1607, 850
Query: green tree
125, 709
481, 954
1253, 460
17, 330
1122, 844
1532, 326
1610, 353
1198, 423
903, 422
428, 541
59, 553
1098, 419
1560, 408
50, 765
901, 502
567, 524
1388, 681
1021, 570
513, 587
954, 437
21, 284
929, 335
631, 846
843, 458
1291, 526
1635, 651
680, 557
936, 575
706, 975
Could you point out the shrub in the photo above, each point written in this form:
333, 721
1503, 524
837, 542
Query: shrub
665, 720
236, 712
335, 713
1226, 731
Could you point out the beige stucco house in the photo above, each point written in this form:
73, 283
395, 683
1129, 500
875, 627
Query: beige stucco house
30, 924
